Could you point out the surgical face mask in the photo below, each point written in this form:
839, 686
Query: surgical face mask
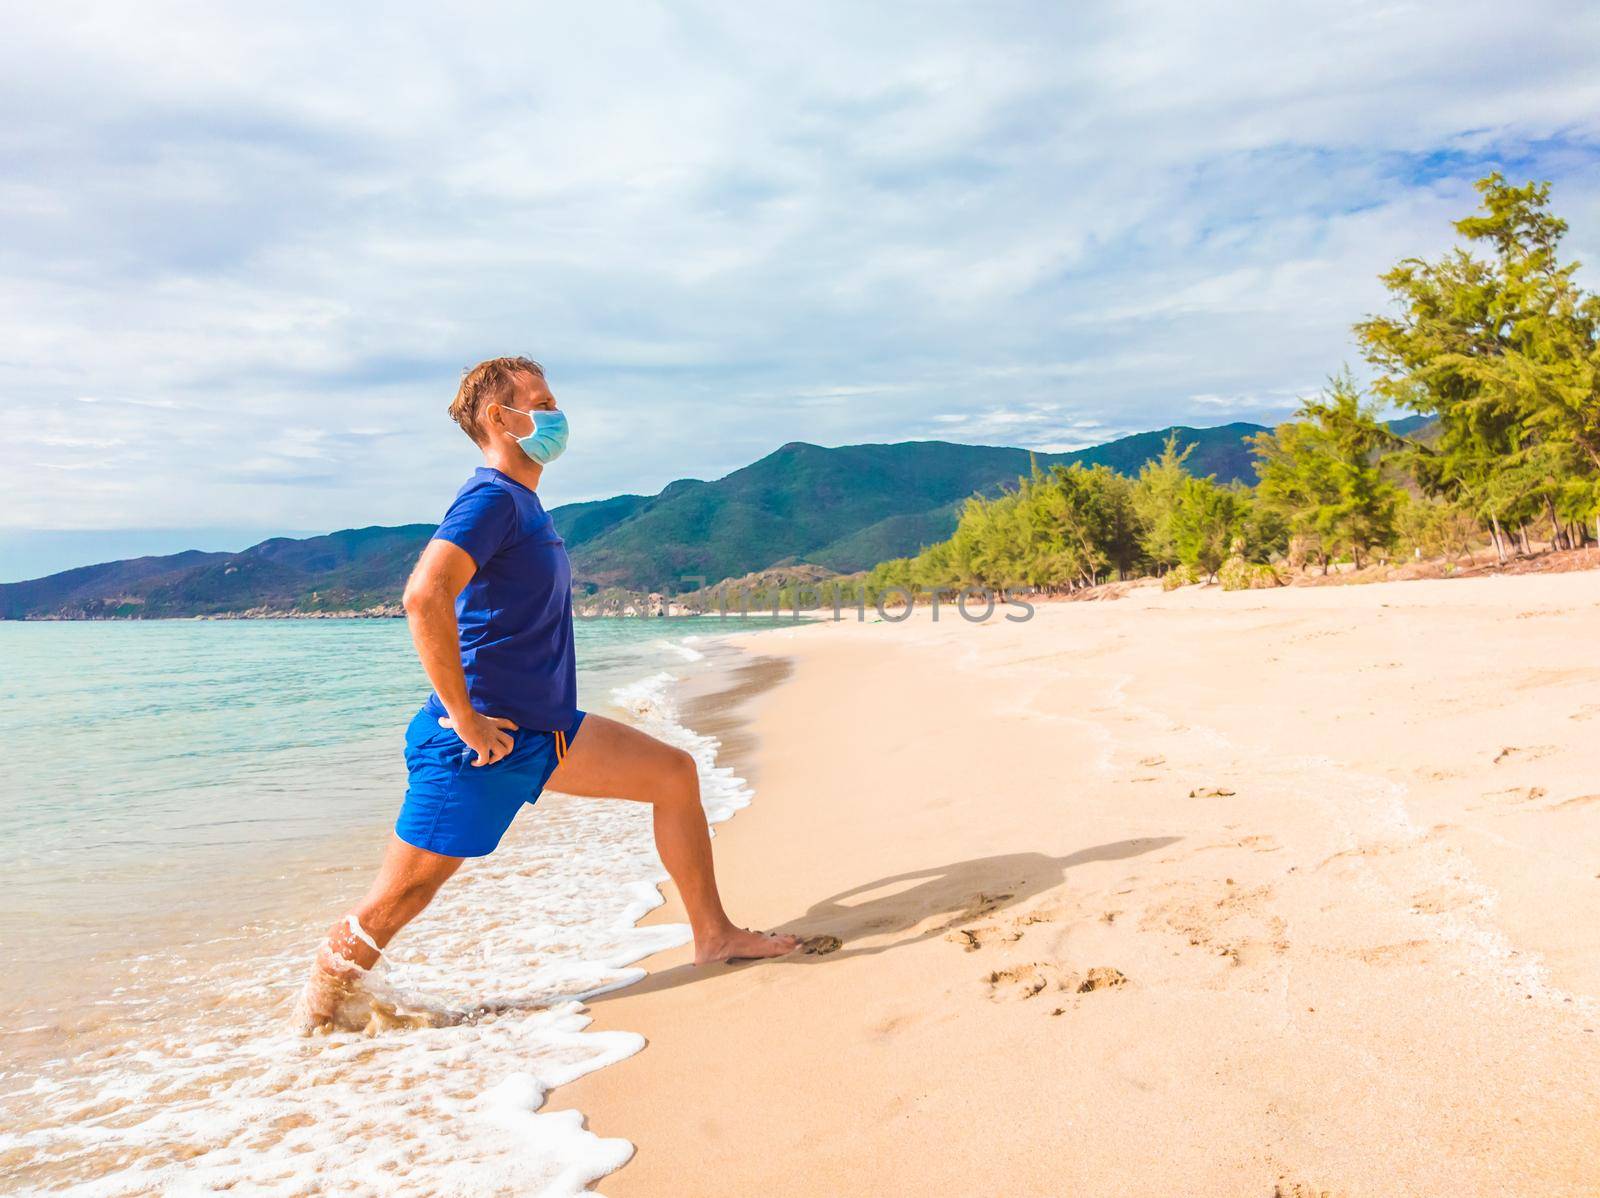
548, 440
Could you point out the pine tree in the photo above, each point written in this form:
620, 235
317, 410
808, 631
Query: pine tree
1323, 473
1506, 352
1155, 499
1205, 522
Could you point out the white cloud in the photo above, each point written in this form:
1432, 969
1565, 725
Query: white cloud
269, 244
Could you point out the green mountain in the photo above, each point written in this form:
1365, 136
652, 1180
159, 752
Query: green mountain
845, 509
352, 570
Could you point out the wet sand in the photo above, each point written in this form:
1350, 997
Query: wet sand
1197, 893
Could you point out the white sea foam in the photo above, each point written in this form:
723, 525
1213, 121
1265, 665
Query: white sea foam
224, 1095
682, 648
650, 704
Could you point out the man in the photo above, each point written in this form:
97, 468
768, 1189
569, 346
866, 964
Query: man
490, 610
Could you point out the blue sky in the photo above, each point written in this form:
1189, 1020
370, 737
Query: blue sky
249, 252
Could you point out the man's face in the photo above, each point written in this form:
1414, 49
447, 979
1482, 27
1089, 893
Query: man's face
533, 395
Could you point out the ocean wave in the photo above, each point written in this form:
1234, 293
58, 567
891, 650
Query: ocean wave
681, 647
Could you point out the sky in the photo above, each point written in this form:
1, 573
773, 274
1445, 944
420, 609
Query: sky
248, 251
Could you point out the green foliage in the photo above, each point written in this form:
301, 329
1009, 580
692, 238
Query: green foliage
1322, 475
1205, 522
1499, 353
1430, 527
845, 508
1156, 498
1506, 352
1178, 576
1265, 533
1076, 526
1237, 574
1071, 526
1500, 359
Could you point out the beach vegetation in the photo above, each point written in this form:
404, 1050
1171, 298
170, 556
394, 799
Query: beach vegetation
1206, 521
1155, 498
1502, 349
1430, 527
1178, 576
1323, 476
1238, 574
1497, 352
1068, 527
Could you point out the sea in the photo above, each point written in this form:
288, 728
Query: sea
188, 805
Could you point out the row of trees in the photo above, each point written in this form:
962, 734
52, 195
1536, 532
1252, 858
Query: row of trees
1500, 353
1076, 526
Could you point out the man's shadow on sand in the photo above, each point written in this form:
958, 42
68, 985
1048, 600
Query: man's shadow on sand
950, 895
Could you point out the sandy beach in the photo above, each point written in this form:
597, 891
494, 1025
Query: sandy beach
1196, 893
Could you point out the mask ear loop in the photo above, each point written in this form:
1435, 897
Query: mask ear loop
520, 412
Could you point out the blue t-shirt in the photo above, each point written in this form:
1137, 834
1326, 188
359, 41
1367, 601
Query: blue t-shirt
515, 615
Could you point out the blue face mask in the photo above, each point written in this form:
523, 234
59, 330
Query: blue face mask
548, 440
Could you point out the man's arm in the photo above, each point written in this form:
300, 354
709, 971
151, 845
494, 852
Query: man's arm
441, 573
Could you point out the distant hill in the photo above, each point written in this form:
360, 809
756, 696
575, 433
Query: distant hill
352, 570
844, 509
847, 508
1407, 425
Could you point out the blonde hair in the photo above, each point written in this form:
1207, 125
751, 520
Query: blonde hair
491, 382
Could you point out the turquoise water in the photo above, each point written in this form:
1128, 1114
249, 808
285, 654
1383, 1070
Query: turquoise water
195, 775
189, 804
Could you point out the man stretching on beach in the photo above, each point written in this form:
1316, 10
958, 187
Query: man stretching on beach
490, 609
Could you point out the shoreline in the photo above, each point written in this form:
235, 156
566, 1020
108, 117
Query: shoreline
586, 867
1545, 561
717, 701
1287, 883
714, 698
1292, 881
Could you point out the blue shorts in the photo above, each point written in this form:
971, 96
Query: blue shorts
458, 809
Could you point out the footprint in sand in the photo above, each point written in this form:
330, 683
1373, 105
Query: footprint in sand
978, 906
1022, 982
1516, 794
1102, 977
972, 939
1519, 753
1231, 921
982, 904
1005, 932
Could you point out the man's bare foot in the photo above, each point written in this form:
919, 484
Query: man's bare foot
341, 996
739, 944
333, 986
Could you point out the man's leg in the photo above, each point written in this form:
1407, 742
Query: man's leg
608, 760
406, 883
